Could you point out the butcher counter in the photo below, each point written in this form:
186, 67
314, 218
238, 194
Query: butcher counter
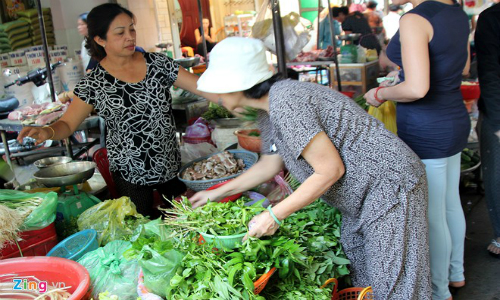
9, 125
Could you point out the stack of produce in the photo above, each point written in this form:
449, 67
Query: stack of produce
14, 35
305, 251
31, 16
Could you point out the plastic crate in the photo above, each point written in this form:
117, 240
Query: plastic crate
76, 245
34, 243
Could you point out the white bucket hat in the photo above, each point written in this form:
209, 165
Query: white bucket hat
236, 64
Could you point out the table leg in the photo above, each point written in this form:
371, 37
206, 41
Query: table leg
6, 145
69, 150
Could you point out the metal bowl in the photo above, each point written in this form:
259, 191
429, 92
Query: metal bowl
349, 37
52, 161
65, 174
188, 62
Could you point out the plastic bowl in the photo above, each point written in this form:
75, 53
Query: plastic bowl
223, 241
470, 91
76, 245
228, 198
248, 142
55, 270
349, 94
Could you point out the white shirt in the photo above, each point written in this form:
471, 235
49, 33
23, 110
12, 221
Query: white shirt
85, 56
391, 24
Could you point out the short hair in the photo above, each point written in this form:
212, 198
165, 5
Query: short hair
261, 89
83, 16
371, 5
98, 21
394, 7
337, 10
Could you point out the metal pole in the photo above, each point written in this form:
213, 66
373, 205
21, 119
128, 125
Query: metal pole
317, 28
50, 81
202, 31
334, 45
278, 37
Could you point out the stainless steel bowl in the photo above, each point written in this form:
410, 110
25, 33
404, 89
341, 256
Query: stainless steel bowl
65, 174
52, 161
227, 122
349, 37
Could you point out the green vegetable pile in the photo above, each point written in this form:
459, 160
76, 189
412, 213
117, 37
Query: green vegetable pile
360, 100
305, 251
216, 112
469, 159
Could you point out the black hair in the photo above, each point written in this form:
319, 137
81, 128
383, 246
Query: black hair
83, 16
336, 11
98, 21
261, 89
372, 5
394, 7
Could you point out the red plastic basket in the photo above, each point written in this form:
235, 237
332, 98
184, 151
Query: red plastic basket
197, 140
228, 198
34, 243
470, 91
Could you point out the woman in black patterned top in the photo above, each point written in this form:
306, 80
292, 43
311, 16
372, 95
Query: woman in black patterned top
130, 91
340, 154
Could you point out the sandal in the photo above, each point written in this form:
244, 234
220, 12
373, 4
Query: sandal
496, 244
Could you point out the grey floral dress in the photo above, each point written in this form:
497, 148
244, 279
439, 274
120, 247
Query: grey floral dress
382, 195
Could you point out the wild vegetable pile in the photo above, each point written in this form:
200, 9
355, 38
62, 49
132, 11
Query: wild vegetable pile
305, 251
469, 158
216, 112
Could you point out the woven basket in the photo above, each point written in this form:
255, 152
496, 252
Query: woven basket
249, 158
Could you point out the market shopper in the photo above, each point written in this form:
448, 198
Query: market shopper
431, 47
130, 91
83, 31
338, 153
487, 40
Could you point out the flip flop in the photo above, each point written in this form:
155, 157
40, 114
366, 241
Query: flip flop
496, 244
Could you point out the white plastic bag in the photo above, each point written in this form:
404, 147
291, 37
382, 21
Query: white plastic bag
190, 152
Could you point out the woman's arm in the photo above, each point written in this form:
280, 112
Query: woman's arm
328, 167
197, 36
466, 70
262, 171
415, 34
69, 122
188, 81
211, 37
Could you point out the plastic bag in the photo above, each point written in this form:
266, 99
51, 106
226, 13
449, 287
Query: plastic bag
110, 272
199, 129
296, 35
280, 192
112, 219
158, 263
190, 152
143, 292
43, 215
386, 113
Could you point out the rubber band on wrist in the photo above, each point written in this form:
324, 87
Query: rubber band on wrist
376, 94
273, 215
53, 132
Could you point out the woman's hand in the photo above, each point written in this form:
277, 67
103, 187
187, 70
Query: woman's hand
40, 134
200, 198
394, 74
261, 225
370, 98
64, 97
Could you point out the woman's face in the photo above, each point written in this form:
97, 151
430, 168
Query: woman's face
82, 27
206, 23
121, 36
231, 101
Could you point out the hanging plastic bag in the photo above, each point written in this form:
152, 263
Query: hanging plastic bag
386, 113
280, 192
199, 129
112, 219
296, 35
110, 272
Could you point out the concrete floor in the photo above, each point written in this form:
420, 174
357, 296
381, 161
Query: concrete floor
482, 271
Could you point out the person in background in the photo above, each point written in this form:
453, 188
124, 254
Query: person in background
325, 37
487, 39
130, 90
391, 21
83, 31
373, 15
339, 154
431, 47
209, 33
355, 22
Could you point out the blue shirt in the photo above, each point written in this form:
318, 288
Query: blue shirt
437, 125
325, 38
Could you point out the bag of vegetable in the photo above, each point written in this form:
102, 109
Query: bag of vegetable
110, 272
156, 256
37, 209
386, 113
112, 219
